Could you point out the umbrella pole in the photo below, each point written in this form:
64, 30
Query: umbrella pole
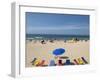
56, 59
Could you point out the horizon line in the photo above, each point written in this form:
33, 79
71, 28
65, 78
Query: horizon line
58, 34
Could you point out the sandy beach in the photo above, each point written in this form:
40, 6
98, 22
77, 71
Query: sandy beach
74, 50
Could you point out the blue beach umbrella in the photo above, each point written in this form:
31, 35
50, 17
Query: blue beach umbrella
58, 51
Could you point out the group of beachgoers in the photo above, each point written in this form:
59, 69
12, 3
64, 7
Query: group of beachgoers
73, 40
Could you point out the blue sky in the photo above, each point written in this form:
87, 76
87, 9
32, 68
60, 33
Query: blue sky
49, 23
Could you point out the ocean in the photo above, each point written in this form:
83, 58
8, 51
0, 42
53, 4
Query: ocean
56, 37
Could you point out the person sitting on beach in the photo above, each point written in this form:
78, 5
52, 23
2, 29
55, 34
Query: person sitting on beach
76, 39
65, 41
43, 42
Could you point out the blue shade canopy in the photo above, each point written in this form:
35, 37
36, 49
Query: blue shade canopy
59, 51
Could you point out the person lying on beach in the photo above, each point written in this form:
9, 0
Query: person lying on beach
51, 41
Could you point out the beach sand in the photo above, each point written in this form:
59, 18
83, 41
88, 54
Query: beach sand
74, 50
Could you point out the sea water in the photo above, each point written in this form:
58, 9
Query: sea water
56, 37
